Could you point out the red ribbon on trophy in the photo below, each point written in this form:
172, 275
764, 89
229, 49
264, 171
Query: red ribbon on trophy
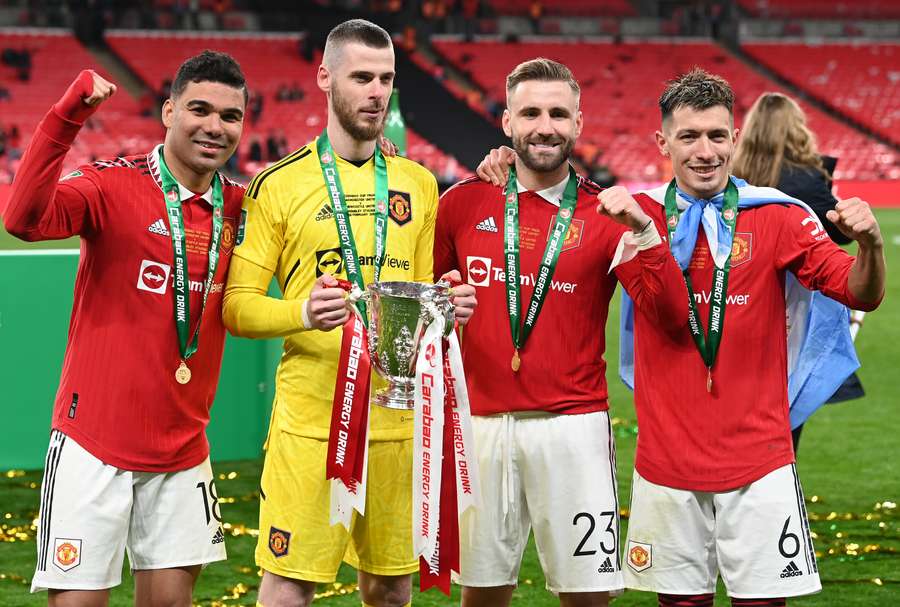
348, 437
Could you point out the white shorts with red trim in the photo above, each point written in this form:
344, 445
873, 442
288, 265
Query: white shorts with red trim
757, 537
91, 513
555, 474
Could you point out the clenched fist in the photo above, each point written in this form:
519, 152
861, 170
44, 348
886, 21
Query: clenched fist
854, 218
84, 96
617, 204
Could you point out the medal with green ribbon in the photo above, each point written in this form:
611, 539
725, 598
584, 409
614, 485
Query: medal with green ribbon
708, 345
342, 217
548, 260
187, 345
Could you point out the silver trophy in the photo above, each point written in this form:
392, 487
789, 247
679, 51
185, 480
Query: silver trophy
399, 313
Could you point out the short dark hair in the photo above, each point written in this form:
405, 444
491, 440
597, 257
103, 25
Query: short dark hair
543, 69
355, 30
210, 66
698, 90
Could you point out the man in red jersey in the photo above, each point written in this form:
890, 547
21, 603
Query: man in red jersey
715, 486
541, 257
128, 464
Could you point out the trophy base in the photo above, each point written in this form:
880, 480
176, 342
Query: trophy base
399, 395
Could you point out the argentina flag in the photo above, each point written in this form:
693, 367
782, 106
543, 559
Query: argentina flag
821, 354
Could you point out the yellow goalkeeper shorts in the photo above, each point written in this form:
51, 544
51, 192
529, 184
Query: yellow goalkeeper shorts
295, 537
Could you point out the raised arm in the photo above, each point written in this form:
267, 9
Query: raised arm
646, 269
41, 207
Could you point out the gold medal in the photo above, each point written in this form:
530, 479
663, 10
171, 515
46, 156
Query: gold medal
182, 374
516, 362
709, 380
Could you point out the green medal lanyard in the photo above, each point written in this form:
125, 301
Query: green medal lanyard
708, 346
548, 261
342, 218
187, 345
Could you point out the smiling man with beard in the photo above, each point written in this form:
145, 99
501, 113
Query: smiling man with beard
296, 212
541, 260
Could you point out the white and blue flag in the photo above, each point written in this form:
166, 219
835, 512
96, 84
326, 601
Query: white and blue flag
820, 349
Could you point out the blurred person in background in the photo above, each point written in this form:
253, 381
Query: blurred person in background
777, 149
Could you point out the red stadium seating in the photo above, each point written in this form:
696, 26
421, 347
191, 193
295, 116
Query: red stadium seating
119, 128
607, 8
268, 61
823, 9
860, 80
56, 60
620, 87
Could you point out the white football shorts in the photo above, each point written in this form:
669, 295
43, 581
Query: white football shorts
91, 513
757, 537
555, 474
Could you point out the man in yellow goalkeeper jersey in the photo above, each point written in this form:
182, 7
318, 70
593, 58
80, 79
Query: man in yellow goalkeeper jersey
290, 230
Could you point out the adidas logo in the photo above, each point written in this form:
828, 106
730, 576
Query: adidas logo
606, 567
219, 537
325, 213
158, 227
487, 225
791, 570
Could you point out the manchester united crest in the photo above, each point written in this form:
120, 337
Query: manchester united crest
227, 234
66, 553
741, 248
573, 235
640, 555
400, 207
279, 541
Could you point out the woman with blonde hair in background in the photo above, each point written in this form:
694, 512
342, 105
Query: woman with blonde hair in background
777, 149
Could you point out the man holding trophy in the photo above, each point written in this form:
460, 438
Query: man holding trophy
337, 208
546, 265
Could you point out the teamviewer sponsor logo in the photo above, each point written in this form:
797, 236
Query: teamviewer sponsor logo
153, 277
478, 271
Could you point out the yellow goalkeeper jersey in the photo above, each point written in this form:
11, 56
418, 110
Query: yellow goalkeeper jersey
288, 231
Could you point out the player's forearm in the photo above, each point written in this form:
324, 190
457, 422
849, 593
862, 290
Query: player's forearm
249, 312
865, 282
35, 186
658, 290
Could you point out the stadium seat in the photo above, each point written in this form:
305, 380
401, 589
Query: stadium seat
620, 86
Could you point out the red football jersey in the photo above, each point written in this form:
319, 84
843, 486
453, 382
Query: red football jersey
562, 365
117, 395
716, 441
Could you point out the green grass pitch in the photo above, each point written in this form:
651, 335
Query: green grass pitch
847, 464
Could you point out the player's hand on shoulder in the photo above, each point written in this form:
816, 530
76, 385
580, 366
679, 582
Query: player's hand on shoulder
854, 218
387, 147
620, 206
326, 307
462, 297
495, 166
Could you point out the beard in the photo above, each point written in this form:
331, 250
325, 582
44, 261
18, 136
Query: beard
543, 163
350, 121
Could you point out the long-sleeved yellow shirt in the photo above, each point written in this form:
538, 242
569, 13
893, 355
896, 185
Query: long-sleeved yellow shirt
288, 231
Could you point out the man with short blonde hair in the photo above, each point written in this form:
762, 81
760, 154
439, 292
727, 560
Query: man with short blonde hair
540, 257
